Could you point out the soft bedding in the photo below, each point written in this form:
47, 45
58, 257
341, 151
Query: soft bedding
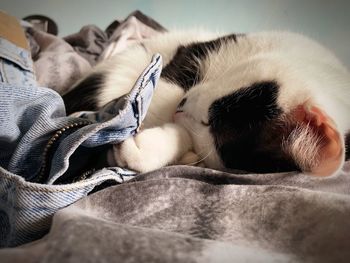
178, 213
191, 214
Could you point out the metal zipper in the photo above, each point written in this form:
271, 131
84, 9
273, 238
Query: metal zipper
84, 175
45, 163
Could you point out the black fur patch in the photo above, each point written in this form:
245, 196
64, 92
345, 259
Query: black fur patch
83, 96
246, 129
184, 68
247, 107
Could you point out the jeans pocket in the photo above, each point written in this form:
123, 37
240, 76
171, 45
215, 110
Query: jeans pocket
16, 66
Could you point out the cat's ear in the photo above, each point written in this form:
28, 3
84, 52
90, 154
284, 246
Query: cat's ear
315, 143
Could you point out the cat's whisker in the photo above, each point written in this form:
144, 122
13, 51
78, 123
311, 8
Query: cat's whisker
214, 65
188, 127
205, 77
209, 65
202, 159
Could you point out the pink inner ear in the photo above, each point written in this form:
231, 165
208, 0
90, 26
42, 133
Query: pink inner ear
330, 152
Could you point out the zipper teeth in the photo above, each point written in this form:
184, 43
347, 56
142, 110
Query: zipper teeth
44, 164
84, 175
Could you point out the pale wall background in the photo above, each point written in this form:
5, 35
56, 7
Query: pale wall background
326, 21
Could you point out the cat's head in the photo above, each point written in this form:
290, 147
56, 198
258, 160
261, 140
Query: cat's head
261, 122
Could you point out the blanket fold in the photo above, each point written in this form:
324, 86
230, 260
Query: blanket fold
190, 214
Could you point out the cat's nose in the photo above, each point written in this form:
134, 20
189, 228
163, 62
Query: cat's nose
182, 103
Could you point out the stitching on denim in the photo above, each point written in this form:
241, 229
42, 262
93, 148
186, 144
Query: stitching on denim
11, 52
15, 60
143, 84
4, 72
85, 184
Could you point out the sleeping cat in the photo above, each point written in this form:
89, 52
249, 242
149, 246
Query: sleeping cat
260, 102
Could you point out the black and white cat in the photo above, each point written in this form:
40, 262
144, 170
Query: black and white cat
260, 102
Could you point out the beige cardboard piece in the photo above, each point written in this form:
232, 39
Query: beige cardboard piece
11, 30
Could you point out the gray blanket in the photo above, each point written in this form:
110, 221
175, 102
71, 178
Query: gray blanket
191, 214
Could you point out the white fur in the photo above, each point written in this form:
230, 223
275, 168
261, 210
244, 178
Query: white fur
153, 148
305, 71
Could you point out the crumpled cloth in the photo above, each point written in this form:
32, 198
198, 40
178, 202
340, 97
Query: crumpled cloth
57, 65
89, 43
60, 62
133, 29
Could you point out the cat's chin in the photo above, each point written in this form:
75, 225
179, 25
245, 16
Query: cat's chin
179, 116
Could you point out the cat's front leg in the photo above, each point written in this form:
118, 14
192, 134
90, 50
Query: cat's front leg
152, 148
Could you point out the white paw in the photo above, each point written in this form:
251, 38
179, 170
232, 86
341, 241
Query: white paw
128, 154
152, 149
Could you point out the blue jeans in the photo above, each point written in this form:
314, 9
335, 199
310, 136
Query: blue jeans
38, 140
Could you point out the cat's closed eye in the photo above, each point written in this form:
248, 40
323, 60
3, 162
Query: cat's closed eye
182, 103
205, 123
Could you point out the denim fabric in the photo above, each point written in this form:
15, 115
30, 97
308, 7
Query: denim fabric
29, 116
